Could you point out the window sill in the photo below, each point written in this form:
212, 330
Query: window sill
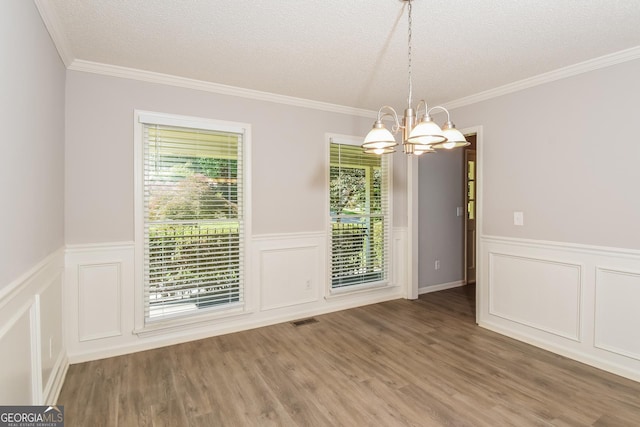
180, 323
358, 289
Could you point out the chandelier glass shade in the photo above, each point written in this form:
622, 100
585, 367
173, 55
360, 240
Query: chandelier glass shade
418, 136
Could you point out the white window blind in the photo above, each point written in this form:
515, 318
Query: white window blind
359, 212
193, 220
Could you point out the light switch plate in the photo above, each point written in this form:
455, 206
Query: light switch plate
518, 218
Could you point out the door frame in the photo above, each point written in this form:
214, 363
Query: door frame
413, 218
465, 190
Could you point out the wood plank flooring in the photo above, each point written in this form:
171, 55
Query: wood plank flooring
415, 363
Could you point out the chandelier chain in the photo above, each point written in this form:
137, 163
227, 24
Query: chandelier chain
420, 134
409, 98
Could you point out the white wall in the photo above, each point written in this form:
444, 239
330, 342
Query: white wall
288, 245
566, 154
32, 354
32, 121
288, 146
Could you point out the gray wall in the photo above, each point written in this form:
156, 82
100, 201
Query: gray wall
565, 153
441, 231
32, 80
288, 154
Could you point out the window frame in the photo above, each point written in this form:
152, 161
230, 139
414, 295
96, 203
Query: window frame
141, 118
387, 282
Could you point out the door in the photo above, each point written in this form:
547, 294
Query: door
470, 223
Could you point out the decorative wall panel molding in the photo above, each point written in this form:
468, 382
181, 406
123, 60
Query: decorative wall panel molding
540, 293
399, 257
32, 349
289, 276
99, 300
617, 318
576, 300
286, 277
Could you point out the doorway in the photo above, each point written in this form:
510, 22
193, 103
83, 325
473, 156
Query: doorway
470, 190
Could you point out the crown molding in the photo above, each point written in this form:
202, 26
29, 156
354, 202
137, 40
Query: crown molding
52, 23
551, 76
171, 80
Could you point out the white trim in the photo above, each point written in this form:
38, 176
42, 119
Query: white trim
53, 387
598, 342
153, 341
580, 356
440, 287
170, 80
20, 283
579, 269
387, 161
98, 247
141, 117
63, 46
590, 260
52, 23
289, 236
551, 76
22, 299
413, 225
183, 82
358, 289
36, 350
82, 289
574, 247
187, 322
337, 138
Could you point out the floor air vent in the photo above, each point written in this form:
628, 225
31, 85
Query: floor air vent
304, 321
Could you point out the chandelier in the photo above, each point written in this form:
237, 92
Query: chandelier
420, 134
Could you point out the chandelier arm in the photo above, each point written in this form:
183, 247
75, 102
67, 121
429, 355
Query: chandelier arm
441, 108
392, 114
426, 108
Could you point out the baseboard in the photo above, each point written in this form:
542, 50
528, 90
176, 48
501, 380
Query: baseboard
571, 299
186, 336
440, 287
31, 332
579, 356
53, 388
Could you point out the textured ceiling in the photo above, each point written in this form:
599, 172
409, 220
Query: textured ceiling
348, 52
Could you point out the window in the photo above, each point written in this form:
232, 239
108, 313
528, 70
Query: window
192, 223
359, 216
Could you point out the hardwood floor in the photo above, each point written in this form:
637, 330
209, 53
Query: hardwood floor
420, 363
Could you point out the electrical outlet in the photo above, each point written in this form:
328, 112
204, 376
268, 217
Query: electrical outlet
437, 265
308, 284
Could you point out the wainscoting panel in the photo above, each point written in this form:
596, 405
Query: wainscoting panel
399, 258
15, 352
52, 348
617, 327
289, 276
575, 300
286, 278
32, 350
539, 293
99, 300
99, 294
